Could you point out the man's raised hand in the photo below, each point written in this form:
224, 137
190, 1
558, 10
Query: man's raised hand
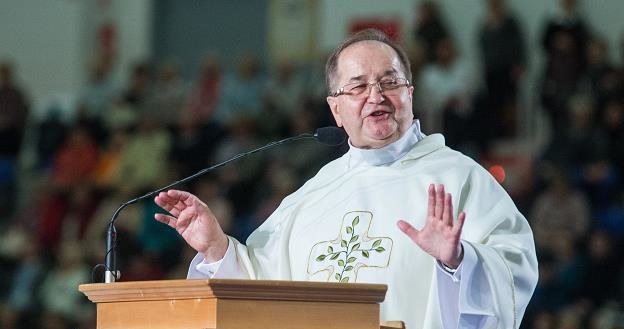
194, 221
440, 235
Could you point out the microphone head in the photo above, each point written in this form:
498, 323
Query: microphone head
332, 136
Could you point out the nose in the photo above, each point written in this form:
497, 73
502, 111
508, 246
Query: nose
376, 93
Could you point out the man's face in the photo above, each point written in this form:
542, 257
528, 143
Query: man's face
375, 119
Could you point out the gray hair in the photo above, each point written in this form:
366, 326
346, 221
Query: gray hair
364, 35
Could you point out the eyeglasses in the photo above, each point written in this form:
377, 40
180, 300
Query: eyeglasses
387, 86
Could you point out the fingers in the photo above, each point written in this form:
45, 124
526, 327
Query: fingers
164, 200
436, 201
440, 206
447, 213
439, 202
408, 229
180, 196
166, 219
174, 196
432, 202
459, 225
173, 201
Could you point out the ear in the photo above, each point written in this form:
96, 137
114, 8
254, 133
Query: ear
410, 91
333, 106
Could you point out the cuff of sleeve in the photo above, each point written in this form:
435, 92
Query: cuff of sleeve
455, 273
474, 295
210, 269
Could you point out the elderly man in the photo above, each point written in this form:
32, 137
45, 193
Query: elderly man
355, 220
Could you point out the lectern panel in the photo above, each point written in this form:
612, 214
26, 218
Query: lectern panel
158, 314
248, 314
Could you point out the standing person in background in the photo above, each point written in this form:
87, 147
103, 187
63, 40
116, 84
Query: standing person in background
446, 95
564, 40
430, 28
355, 220
167, 98
242, 93
567, 20
502, 50
97, 95
13, 115
206, 94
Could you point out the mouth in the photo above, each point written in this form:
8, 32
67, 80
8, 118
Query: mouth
378, 114
376, 111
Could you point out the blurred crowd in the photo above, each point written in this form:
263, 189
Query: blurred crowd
125, 140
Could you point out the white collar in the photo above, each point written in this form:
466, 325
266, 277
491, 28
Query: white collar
387, 154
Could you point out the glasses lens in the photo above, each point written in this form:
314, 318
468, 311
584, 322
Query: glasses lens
392, 84
389, 86
356, 88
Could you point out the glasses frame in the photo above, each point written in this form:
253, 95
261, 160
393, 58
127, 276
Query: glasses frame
341, 90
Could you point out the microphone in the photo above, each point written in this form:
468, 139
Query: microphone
331, 136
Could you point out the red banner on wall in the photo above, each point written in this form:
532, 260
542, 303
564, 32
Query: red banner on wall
391, 27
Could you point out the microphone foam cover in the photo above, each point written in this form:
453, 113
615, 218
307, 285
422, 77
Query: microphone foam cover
332, 136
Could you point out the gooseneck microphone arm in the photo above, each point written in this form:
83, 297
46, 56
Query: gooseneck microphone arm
332, 136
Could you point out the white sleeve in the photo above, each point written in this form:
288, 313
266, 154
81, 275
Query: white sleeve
225, 268
456, 307
499, 271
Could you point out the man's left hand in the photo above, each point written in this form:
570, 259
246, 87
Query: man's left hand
440, 235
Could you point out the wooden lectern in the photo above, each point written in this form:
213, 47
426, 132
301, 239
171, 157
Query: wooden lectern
235, 304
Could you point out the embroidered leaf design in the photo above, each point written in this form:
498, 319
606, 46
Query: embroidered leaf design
350, 245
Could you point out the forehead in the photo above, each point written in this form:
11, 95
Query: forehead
367, 59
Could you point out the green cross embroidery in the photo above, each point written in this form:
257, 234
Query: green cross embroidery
351, 250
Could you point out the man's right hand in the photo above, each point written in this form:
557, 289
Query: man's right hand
194, 222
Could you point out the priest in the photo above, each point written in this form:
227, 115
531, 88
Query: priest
399, 208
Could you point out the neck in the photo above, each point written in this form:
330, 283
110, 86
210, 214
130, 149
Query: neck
387, 154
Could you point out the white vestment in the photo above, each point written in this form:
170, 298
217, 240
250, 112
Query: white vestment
341, 226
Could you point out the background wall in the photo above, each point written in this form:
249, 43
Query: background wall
188, 29
50, 41
463, 17
44, 40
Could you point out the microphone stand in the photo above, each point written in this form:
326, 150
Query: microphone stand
111, 273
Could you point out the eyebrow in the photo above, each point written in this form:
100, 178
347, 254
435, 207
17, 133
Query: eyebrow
362, 77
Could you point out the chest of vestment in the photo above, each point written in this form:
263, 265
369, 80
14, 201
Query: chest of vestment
349, 232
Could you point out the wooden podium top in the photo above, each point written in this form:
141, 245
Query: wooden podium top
236, 304
235, 289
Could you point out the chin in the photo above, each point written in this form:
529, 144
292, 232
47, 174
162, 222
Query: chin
385, 132
379, 141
